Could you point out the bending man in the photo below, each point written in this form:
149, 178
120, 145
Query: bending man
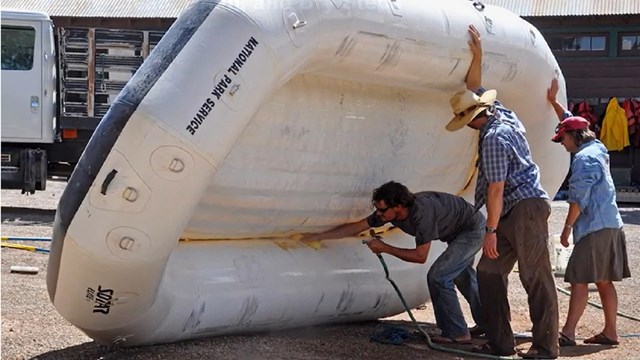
430, 216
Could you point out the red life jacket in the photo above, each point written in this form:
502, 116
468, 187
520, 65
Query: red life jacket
584, 110
632, 112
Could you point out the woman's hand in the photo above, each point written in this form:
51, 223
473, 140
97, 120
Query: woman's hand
552, 92
564, 238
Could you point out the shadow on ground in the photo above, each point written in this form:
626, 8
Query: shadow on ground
349, 341
27, 216
629, 215
582, 350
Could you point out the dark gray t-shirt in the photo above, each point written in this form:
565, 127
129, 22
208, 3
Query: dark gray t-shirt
434, 215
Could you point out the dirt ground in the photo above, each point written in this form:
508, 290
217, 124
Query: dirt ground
32, 329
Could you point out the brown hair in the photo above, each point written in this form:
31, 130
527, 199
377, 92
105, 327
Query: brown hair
393, 194
581, 136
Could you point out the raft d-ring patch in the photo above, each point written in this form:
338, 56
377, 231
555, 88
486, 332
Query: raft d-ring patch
532, 35
488, 24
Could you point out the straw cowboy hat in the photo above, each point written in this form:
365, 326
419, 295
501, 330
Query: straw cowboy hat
466, 106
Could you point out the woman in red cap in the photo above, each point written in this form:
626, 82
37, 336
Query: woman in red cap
600, 251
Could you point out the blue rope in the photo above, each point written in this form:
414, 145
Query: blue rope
393, 335
415, 322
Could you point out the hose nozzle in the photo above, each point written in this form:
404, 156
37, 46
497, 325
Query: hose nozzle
373, 235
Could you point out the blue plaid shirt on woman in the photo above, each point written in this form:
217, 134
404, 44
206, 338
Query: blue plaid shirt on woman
504, 155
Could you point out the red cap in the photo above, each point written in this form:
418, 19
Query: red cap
568, 124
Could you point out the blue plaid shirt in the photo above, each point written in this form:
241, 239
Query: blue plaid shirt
504, 155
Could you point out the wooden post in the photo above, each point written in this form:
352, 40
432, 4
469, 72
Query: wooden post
91, 72
145, 45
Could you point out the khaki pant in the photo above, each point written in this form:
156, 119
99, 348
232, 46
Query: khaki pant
522, 236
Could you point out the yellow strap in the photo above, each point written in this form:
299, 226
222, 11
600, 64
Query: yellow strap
18, 246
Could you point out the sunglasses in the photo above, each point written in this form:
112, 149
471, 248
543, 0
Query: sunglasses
382, 211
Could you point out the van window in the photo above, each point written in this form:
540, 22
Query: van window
17, 47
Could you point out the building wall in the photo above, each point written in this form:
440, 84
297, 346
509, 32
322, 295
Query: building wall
601, 78
599, 74
596, 74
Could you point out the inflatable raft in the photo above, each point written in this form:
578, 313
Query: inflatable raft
253, 121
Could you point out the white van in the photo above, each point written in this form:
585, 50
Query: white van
28, 97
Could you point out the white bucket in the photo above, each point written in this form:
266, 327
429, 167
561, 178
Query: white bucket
560, 255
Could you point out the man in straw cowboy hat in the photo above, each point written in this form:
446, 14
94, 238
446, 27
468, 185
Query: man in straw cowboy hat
517, 212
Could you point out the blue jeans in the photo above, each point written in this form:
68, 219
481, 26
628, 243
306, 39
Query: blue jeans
455, 266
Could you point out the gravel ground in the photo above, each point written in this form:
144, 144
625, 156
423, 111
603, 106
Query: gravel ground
32, 329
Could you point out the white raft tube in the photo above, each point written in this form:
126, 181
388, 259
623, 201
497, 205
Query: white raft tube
117, 271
